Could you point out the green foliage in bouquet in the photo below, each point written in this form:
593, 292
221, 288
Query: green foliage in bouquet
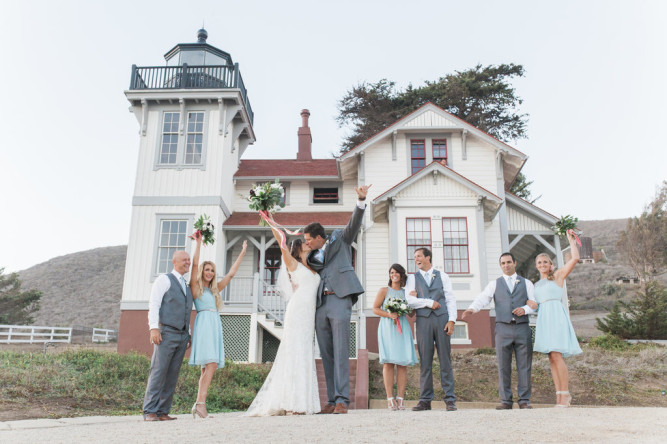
206, 228
398, 306
564, 224
267, 198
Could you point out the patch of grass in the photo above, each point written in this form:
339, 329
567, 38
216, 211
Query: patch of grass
114, 384
609, 342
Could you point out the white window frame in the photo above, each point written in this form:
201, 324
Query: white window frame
194, 133
159, 218
182, 140
163, 133
462, 341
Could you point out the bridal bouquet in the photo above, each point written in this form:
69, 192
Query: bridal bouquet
266, 198
567, 224
204, 226
400, 307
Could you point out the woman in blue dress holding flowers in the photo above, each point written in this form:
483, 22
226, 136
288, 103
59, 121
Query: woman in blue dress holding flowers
395, 343
554, 334
208, 350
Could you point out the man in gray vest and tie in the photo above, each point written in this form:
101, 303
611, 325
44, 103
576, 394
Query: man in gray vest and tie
169, 311
510, 293
430, 293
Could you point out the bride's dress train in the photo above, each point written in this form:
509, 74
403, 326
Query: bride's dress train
291, 386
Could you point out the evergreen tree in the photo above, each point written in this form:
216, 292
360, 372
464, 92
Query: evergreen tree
16, 306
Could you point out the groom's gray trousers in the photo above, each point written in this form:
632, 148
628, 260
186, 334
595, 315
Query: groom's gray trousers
332, 327
431, 336
165, 365
515, 338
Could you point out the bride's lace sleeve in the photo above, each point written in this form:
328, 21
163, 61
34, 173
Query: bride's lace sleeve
287, 282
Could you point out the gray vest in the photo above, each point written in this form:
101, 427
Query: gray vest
506, 302
434, 291
176, 306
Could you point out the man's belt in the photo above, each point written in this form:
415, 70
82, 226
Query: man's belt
327, 292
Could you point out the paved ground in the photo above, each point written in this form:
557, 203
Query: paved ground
577, 424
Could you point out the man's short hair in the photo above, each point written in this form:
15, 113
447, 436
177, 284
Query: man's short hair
426, 252
315, 229
507, 254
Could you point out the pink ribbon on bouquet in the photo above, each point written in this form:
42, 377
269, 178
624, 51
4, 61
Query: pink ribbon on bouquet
575, 236
194, 235
397, 321
283, 240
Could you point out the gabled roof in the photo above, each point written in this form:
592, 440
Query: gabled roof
531, 209
283, 168
490, 201
289, 219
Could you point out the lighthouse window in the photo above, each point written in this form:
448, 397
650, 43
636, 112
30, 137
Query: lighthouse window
169, 146
193, 149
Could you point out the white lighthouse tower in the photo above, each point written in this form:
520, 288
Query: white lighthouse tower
195, 122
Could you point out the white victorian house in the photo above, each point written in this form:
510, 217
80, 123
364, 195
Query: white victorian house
437, 182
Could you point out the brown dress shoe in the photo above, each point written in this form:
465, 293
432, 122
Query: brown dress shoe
422, 405
525, 405
340, 408
327, 409
166, 417
150, 417
450, 406
504, 406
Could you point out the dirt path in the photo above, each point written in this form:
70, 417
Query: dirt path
600, 425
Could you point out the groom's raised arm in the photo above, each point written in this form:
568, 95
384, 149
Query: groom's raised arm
354, 224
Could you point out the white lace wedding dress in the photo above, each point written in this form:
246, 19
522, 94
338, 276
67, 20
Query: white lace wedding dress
292, 382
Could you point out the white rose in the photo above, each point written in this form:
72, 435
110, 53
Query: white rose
404, 307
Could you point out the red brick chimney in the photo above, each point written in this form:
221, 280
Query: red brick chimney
305, 139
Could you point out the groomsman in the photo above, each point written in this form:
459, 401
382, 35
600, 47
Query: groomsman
430, 292
169, 311
510, 293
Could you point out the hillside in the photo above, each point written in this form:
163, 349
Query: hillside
81, 288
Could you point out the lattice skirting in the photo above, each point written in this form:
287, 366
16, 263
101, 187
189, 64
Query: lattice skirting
236, 333
269, 347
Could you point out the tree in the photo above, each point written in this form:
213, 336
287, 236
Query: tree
482, 96
643, 244
642, 318
16, 306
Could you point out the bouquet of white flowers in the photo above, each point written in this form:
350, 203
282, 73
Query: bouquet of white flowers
266, 198
204, 226
400, 307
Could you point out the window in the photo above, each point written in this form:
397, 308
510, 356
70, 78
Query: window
172, 238
169, 146
417, 154
325, 195
193, 149
455, 244
440, 151
418, 231
460, 335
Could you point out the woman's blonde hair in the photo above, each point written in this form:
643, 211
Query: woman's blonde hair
213, 285
550, 276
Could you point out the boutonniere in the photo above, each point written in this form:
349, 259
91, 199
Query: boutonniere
517, 281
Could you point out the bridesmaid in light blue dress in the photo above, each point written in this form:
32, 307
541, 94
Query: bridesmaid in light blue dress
208, 350
395, 348
554, 334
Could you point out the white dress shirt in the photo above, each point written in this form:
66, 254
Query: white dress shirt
486, 296
160, 287
415, 302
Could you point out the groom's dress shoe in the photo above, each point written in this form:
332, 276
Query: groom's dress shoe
422, 405
525, 405
504, 406
340, 409
450, 406
327, 409
150, 417
166, 418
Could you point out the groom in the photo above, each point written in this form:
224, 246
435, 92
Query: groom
510, 293
339, 288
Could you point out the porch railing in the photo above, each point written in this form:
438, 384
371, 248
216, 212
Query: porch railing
240, 290
191, 77
271, 302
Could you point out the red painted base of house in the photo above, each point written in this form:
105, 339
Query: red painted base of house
481, 331
133, 332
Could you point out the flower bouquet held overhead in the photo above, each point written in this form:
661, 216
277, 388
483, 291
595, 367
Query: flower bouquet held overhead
205, 228
267, 198
568, 224
400, 307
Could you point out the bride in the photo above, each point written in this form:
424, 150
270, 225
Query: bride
291, 386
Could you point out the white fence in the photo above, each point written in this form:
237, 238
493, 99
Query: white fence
103, 335
28, 334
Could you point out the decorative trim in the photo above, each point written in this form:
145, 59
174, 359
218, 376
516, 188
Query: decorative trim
481, 246
143, 201
144, 116
464, 146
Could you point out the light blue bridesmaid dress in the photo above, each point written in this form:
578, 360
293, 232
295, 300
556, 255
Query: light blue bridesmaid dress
394, 347
207, 342
554, 331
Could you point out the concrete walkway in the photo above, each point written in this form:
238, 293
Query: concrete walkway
577, 424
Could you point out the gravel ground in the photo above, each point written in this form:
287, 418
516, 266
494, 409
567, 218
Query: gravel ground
600, 425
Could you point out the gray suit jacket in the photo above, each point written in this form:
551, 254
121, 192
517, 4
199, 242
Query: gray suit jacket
337, 271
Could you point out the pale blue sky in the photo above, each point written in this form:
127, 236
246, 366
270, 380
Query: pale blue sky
594, 89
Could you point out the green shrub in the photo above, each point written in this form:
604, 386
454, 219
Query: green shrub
609, 342
485, 351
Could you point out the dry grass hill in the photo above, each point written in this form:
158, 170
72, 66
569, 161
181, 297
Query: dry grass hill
85, 288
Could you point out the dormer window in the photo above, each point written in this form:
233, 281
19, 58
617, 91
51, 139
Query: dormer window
440, 151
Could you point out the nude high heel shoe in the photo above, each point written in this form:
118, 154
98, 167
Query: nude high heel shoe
567, 403
399, 403
391, 405
196, 413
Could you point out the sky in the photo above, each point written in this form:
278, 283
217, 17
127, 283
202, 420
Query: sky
594, 90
